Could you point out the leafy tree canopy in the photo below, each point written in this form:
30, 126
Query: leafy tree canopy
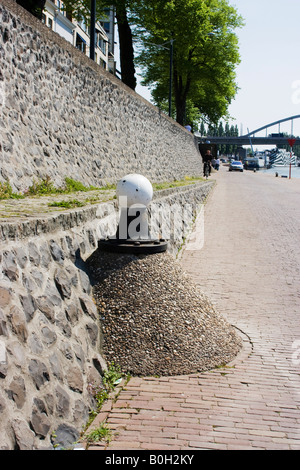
205, 52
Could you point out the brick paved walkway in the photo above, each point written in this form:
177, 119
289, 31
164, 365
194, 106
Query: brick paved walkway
250, 268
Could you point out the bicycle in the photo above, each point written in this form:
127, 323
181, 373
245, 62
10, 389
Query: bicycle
206, 169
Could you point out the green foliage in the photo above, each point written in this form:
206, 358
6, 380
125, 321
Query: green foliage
108, 187
6, 192
219, 130
67, 204
41, 187
99, 434
174, 184
111, 377
73, 185
205, 53
45, 186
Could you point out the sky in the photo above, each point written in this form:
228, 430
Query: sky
268, 76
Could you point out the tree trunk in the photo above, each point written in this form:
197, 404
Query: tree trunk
180, 110
126, 46
181, 92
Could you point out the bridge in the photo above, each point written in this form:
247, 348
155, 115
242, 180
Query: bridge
251, 139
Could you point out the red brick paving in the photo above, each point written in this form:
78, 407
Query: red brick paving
250, 268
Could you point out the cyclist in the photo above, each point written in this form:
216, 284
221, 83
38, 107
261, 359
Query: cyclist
207, 164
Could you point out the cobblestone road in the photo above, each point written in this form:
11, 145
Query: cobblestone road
250, 267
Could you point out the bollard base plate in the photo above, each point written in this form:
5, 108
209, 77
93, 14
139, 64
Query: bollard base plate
133, 246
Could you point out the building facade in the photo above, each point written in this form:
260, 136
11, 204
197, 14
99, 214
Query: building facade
78, 34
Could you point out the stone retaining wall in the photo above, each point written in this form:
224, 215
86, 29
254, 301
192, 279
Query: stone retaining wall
50, 335
62, 115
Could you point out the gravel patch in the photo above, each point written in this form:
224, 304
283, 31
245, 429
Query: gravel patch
155, 321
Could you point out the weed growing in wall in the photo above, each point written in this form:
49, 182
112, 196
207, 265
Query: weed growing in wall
45, 186
67, 204
102, 433
73, 186
6, 192
101, 393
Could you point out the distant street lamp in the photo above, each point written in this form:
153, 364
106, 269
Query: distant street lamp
171, 76
93, 29
171, 49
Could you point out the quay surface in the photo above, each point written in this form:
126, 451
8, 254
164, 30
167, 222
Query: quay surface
249, 266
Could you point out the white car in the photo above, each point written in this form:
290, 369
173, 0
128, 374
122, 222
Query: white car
236, 166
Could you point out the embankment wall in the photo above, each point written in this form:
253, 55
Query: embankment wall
62, 115
50, 332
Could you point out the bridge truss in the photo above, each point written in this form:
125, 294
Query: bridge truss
250, 138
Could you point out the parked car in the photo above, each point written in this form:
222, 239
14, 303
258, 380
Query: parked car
251, 165
236, 166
